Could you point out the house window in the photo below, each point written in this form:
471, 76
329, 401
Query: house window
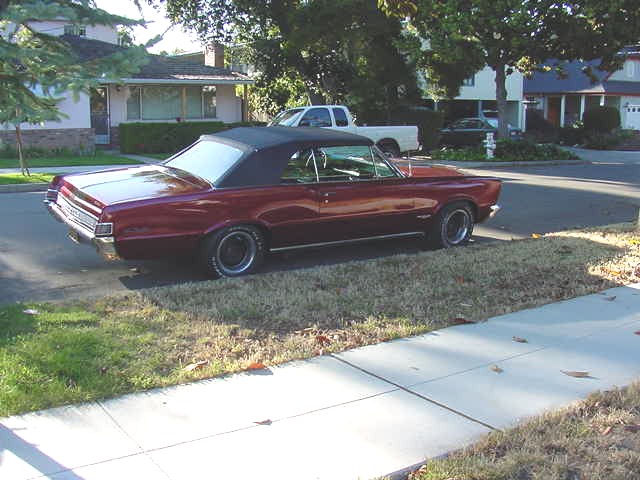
77, 30
469, 82
170, 103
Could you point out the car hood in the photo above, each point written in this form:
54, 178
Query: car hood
123, 184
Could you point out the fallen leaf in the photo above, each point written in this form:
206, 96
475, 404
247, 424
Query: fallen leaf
460, 321
322, 340
575, 374
606, 431
632, 428
610, 299
264, 422
195, 366
30, 311
460, 280
519, 339
535, 235
496, 368
256, 366
616, 273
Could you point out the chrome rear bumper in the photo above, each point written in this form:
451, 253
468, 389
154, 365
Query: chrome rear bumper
78, 233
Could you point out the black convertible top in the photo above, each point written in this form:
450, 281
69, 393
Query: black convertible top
269, 149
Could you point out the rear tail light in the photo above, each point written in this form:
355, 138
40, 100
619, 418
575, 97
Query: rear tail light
104, 229
51, 195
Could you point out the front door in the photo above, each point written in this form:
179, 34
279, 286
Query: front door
100, 114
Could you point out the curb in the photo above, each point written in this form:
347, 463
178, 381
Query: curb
24, 188
534, 163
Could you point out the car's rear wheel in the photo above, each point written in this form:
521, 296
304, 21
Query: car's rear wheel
452, 227
232, 251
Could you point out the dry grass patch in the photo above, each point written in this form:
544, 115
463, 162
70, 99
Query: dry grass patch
597, 439
175, 334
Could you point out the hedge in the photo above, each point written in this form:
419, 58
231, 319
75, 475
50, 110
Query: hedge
168, 137
601, 119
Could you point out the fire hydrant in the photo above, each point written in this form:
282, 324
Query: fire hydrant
490, 145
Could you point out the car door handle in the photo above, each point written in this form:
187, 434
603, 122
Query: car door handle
328, 194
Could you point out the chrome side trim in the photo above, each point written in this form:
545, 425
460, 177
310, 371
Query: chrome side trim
347, 242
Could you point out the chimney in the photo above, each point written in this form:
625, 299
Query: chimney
214, 55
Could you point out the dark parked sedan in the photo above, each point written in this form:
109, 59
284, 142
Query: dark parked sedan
472, 131
230, 198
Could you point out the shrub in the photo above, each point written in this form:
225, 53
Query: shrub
601, 119
506, 151
168, 137
573, 135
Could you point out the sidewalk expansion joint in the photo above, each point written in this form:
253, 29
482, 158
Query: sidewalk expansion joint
423, 397
142, 450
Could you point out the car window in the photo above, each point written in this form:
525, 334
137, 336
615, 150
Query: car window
341, 117
316, 117
344, 163
287, 118
207, 159
300, 168
382, 167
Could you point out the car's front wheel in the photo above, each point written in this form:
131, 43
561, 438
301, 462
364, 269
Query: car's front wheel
232, 251
452, 227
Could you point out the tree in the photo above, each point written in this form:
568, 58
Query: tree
37, 67
339, 50
519, 34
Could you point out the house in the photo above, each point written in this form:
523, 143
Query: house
477, 98
165, 89
563, 100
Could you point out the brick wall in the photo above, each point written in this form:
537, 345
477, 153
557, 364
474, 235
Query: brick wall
79, 140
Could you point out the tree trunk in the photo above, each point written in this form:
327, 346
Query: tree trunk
24, 168
315, 98
501, 100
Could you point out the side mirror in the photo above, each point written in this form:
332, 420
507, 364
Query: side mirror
304, 123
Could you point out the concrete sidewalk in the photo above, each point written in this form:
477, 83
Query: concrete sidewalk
361, 414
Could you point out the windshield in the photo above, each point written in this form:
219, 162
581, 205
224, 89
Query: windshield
287, 118
207, 159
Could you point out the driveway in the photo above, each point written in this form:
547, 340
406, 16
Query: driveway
38, 262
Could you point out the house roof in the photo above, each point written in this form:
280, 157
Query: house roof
576, 81
159, 68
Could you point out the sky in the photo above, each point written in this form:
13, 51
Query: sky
157, 24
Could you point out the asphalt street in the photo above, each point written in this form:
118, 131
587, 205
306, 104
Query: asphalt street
38, 261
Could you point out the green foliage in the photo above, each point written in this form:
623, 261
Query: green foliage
601, 119
516, 34
606, 140
335, 51
167, 137
506, 151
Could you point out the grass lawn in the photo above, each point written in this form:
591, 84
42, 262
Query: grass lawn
18, 178
597, 439
69, 161
158, 156
86, 350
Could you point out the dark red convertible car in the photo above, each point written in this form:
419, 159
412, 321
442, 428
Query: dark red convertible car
232, 197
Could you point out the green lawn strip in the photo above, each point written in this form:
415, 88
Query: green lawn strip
158, 156
597, 439
85, 350
69, 161
18, 178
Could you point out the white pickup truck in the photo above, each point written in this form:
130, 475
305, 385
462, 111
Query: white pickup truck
391, 140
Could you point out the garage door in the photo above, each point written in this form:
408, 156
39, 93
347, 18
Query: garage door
633, 117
